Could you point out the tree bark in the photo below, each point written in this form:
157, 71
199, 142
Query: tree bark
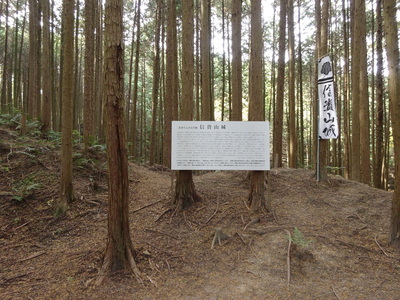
355, 93
206, 99
365, 148
256, 198
278, 118
171, 82
98, 73
379, 152
133, 147
392, 52
3, 96
156, 86
119, 253
34, 60
346, 101
88, 108
185, 192
66, 194
236, 60
46, 69
323, 50
300, 91
292, 158
77, 74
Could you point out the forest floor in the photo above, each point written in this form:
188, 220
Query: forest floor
338, 248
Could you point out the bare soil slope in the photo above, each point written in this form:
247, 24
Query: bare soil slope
338, 247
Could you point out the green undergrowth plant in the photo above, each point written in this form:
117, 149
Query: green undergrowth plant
54, 137
25, 188
298, 238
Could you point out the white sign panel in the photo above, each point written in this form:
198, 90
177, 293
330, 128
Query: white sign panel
207, 145
328, 123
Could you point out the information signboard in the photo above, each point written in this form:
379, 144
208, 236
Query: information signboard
208, 145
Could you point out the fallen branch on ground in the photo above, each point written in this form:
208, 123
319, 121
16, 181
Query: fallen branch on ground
376, 241
32, 256
288, 255
215, 212
143, 207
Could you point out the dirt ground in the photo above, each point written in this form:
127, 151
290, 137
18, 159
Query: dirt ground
338, 245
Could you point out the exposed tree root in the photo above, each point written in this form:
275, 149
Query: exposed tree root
185, 192
109, 266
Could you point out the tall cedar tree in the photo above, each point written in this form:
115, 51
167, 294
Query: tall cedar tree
185, 193
355, 91
206, 99
135, 84
392, 46
46, 69
156, 85
34, 59
88, 106
256, 197
322, 51
66, 193
278, 118
292, 160
119, 253
236, 60
345, 92
171, 82
365, 161
5, 60
379, 157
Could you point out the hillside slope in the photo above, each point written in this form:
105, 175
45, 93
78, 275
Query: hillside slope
338, 229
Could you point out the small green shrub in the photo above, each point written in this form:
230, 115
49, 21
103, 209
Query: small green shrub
299, 239
25, 188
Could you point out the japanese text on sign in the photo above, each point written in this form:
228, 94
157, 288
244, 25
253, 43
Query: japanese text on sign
328, 124
198, 145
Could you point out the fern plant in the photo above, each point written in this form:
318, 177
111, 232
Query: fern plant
299, 239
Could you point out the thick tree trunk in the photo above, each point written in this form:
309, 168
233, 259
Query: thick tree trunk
379, 152
236, 60
66, 193
256, 197
355, 93
171, 83
392, 45
300, 91
98, 72
34, 59
322, 51
278, 118
206, 99
185, 192
46, 69
133, 121
292, 157
156, 87
365, 155
119, 252
88, 108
